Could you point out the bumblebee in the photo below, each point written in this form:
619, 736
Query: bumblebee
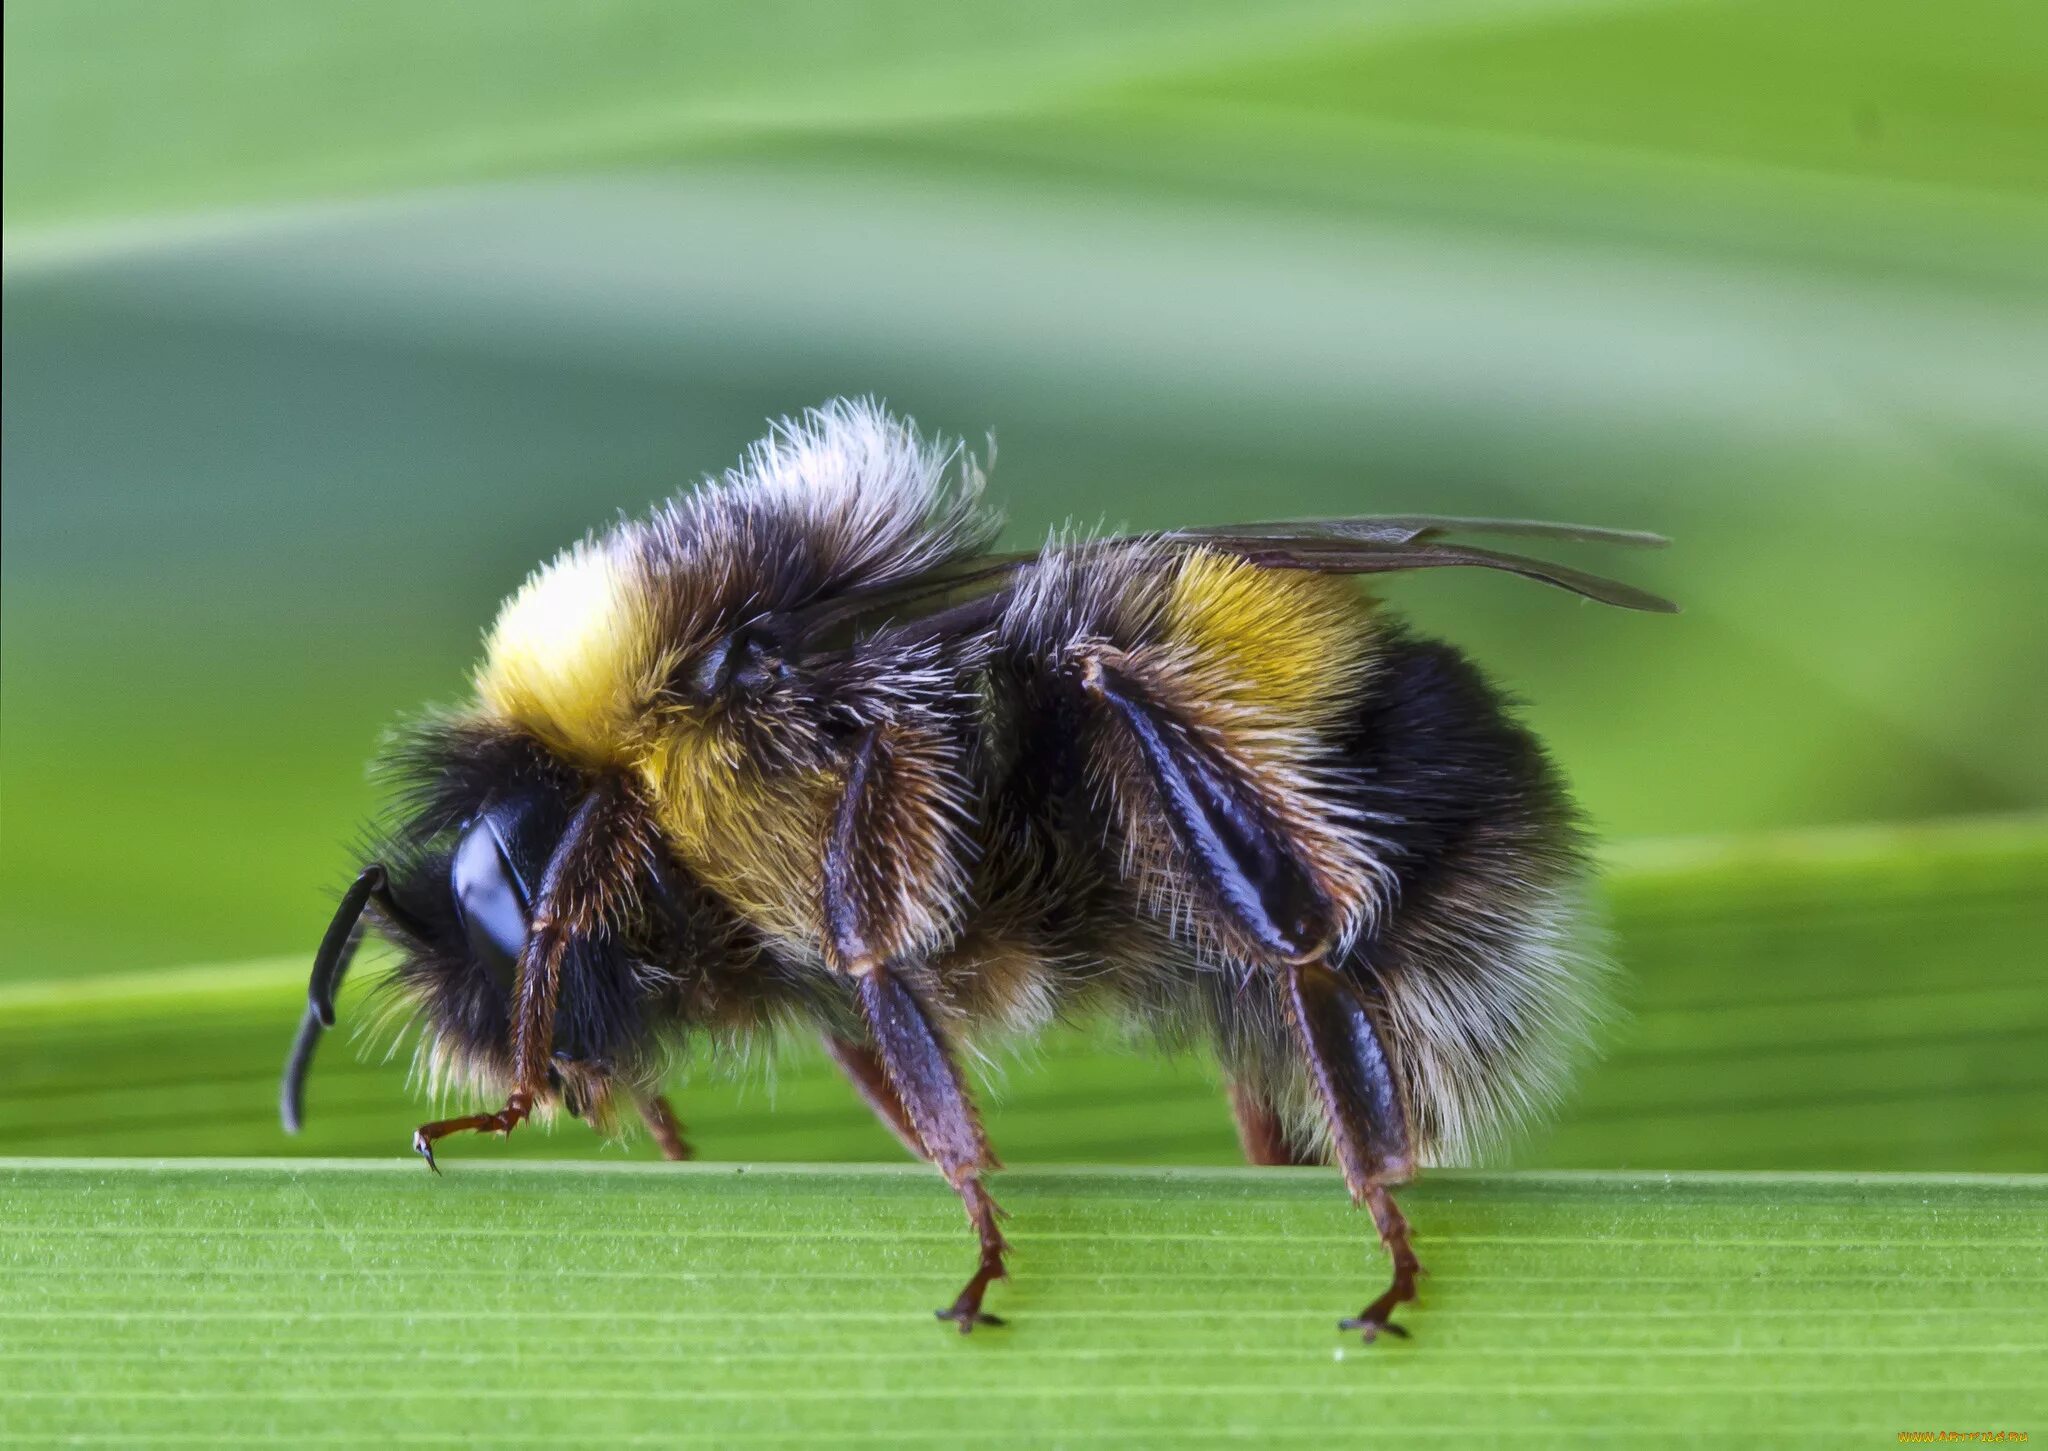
801, 750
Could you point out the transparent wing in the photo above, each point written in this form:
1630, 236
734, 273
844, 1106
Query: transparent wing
1424, 528
1385, 543
968, 594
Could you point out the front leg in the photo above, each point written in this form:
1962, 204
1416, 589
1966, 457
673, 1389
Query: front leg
589, 876
533, 1024
517, 1106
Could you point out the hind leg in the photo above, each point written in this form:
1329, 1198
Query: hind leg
1261, 1132
1255, 861
1368, 1122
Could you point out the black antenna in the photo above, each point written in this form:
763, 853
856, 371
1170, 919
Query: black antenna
330, 965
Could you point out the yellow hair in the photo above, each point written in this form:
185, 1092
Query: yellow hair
1286, 642
752, 840
572, 657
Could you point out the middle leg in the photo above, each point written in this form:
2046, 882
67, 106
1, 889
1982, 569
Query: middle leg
927, 1088
893, 869
863, 1069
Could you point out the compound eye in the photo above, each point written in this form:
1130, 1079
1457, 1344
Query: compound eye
490, 898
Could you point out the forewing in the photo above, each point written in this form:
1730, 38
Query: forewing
1380, 544
968, 593
1421, 528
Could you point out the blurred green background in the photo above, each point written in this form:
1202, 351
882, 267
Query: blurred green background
323, 324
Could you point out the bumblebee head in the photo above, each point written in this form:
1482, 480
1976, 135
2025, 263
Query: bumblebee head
456, 885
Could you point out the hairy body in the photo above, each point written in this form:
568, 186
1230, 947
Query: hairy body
799, 749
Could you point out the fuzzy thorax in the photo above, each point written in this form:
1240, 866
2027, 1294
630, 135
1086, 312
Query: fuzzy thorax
573, 661
598, 655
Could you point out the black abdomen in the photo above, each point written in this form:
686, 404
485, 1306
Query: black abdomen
1449, 775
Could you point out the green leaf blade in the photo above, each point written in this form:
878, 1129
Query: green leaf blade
723, 1305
